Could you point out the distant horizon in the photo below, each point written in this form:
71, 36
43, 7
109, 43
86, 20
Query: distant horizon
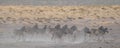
59, 2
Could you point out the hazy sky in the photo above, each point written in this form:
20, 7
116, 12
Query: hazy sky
59, 2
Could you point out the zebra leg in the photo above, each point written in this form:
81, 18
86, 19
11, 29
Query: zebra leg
52, 38
74, 38
85, 35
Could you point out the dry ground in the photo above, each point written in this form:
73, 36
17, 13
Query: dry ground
12, 17
38, 14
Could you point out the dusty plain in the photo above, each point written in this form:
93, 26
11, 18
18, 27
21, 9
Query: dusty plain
13, 17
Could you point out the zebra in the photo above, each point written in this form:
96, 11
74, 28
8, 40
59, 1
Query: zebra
56, 32
69, 32
86, 31
102, 31
73, 29
20, 32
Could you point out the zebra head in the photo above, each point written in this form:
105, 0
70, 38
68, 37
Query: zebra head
86, 30
73, 28
103, 29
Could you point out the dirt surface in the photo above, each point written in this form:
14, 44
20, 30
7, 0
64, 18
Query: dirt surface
14, 17
38, 14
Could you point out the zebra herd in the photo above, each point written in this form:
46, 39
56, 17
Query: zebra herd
58, 32
23, 31
100, 31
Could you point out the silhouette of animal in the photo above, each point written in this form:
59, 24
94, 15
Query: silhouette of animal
73, 28
56, 32
20, 32
103, 30
86, 30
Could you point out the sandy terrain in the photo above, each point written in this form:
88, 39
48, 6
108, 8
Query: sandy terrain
14, 17
15, 14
